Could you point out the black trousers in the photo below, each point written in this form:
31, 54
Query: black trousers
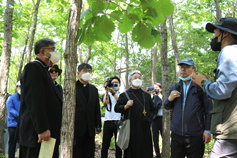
110, 129
84, 146
29, 152
192, 146
12, 142
156, 128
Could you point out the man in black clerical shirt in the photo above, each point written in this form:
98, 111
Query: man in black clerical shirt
87, 117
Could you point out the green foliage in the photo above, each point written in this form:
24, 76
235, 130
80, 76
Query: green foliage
145, 15
1, 154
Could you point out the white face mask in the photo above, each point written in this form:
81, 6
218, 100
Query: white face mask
137, 83
19, 91
86, 76
55, 57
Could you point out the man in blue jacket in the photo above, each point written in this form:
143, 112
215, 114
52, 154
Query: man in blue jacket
191, 119
13, 105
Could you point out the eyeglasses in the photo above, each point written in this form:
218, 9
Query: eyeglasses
54, 48
51, 71
185, 67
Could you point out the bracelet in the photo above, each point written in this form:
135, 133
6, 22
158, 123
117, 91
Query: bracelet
113, 94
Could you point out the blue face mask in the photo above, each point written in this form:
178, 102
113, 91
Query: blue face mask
115, 87
185, 79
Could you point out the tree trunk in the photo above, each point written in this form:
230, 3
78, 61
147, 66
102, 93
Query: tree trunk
218, 11
80, 55
69, 100
22, 55
127, 60
32, 35
175, 47
88, 56
5, 62
114, 64
165, 85
154, 62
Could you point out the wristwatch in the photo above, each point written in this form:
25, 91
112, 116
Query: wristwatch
113, 94
202, 82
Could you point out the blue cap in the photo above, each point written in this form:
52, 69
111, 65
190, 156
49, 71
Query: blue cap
187, 61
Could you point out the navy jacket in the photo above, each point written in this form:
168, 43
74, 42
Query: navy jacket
190, 121
157, 102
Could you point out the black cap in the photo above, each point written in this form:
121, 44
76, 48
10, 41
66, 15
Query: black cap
226, 24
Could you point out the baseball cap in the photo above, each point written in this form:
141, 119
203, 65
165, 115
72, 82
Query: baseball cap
228, 24
187, 61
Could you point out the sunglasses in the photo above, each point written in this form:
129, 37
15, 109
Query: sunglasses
51, 71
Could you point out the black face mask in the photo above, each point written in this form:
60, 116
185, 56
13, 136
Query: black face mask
157, 91
216, 46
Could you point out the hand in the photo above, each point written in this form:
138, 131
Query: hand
174, 94
153, 92
147, 90
206, 137
197, 78
111, 90
129, 103
208, 77
45, 136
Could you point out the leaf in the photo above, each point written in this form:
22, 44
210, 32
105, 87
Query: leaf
151, 12
134, 17
135, 32
97, 6
167, 7
81, 35
103, 28
116, 15
89, 37
112, 6
106, 25
84, 13
144, 37
126, 24
160, 19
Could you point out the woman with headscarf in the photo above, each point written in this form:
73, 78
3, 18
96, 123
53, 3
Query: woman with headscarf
142, 111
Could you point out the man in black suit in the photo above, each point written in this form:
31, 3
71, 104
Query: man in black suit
87, 117
41, 105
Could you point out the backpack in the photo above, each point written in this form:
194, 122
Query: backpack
199, 92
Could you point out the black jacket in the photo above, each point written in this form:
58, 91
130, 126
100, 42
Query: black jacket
87, 116
41, 105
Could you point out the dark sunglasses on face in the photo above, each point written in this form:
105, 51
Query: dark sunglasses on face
51, 71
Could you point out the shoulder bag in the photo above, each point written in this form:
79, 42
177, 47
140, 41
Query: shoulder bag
123, 134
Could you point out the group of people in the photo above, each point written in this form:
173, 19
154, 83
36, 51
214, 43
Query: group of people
193, 119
